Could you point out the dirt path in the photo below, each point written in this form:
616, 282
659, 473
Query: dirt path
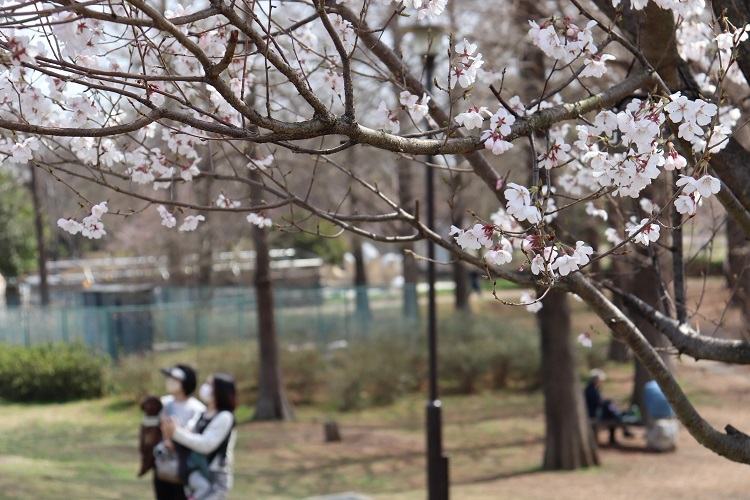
721, 394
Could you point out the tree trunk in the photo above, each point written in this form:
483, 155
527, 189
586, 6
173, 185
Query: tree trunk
461, 278
737, 267
645, 284
41, 245
362, 302
410, 270
618, 350
272, 401
569, 440
460, 275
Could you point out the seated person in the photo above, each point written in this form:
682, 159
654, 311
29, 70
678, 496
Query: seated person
662, 426
603, 409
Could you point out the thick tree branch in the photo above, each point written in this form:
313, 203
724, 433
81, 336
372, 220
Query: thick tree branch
686, 339
735, 447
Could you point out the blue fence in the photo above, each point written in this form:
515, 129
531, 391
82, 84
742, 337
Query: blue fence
198, 316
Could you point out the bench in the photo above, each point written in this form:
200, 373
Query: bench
612, 425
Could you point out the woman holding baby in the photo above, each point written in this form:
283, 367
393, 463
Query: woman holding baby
210, 440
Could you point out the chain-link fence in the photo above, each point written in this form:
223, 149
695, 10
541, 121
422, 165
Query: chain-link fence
201, 316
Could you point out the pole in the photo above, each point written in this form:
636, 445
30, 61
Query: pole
437, 463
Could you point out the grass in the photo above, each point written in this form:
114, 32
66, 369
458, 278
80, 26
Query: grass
89, 449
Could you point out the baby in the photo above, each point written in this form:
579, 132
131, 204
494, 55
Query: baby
198, 482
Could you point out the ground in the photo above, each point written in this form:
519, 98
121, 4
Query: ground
494, 440
88, 450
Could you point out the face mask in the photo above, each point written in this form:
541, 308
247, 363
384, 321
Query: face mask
172, 385
206, 393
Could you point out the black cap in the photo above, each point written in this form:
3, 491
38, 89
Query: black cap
185, 375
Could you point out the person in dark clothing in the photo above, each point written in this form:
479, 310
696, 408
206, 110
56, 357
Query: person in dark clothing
603, 409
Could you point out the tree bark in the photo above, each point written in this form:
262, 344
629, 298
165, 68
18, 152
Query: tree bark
410, 269
645, 285
737, 267
41, 245
569, 441
272, 403
460, 274
362, 301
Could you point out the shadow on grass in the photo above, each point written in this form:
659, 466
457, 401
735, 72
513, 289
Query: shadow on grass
405, 456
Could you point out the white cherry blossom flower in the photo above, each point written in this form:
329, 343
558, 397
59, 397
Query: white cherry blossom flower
224, 202
259, 220
387, 119
596, 212
611, 235
648, 235
585, 340
190, 223
687, 204
99, 210
416, 107
70, 225
533, 305
473, 117
93, 228
595, 65
167, 218
674, 161
582, 252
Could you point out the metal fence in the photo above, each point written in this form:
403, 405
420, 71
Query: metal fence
200, 316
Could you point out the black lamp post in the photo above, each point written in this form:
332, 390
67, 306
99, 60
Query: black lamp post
427, 43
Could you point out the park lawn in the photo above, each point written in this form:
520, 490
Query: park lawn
89, 449
494, 440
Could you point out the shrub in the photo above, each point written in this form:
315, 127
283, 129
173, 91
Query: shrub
303, 372
139, 375
475, 349
51, 372
375, 371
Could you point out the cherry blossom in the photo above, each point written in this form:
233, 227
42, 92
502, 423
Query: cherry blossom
585, 340
99, 210
224, 202
190, 223
649, 235
557, 154
430, 9
595, 65
259, 220
464, 67
473, 117
387, 119
501, 254
687, 204
23, 151
705, 186
70, 225
475, 237
417, 107
582, 252
261, 163
533, 305
167, 218
674, 161
494, 138
596, 212
519, 204
93, 228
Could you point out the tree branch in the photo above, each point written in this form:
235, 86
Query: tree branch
684, 338
735, 447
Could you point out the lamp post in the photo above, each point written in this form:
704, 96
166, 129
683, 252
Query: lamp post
427, 41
